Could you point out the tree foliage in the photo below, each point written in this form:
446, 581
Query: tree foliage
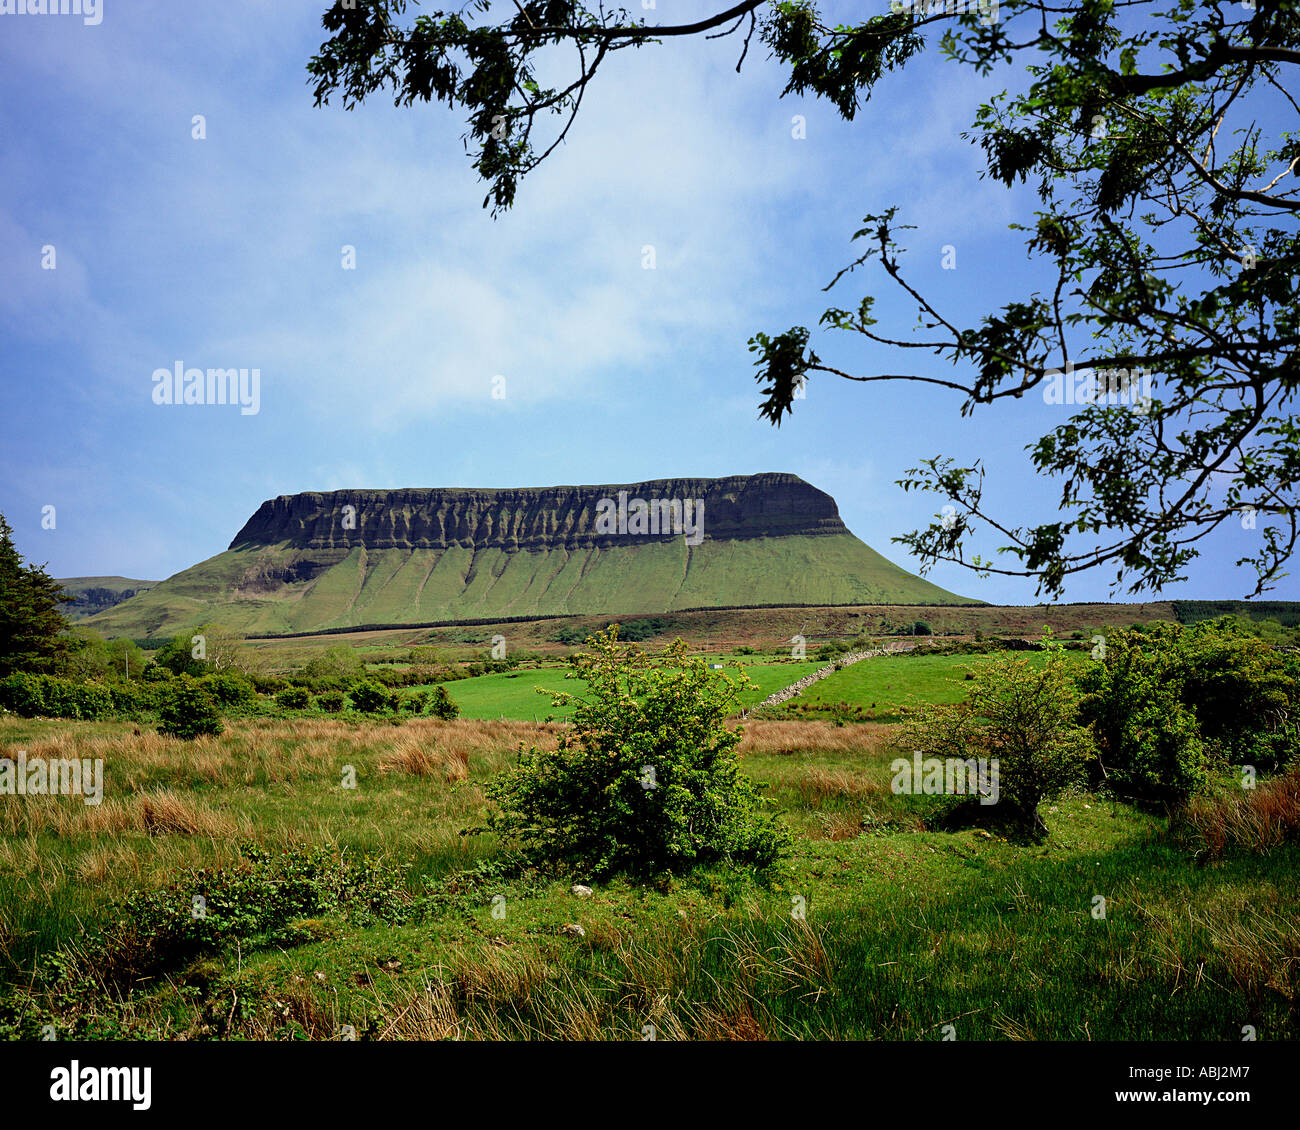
1166, 702
1020, 714
1158, 136
33, 630
188, 710
646, 780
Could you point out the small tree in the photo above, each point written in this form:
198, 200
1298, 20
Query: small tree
1135, 699
371, 698
292, 698
188, 710
92, 657
330, 701
335, 664
231, 690
177, 655
442, 706
32, 627
1023, 716
415, 702
648, 779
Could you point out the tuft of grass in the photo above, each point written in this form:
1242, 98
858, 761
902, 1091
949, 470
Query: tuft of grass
418, 757
1251, 820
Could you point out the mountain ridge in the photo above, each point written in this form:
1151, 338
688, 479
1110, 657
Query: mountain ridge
737, 506
336, 559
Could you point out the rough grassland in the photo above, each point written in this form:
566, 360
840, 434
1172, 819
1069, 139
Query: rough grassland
240, 588
902, 931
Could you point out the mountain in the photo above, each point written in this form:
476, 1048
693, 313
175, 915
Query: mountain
88, 595
351, 557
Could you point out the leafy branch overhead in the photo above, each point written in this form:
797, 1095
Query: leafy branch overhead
1160, 142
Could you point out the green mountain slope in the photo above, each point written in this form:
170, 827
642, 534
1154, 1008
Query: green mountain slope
88, 595
407, 561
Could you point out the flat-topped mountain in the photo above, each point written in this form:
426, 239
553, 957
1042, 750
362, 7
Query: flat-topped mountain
741, 506
345, 558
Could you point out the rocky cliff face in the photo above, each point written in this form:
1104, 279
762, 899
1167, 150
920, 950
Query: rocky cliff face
569, 517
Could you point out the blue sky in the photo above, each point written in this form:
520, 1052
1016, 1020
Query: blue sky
227, 252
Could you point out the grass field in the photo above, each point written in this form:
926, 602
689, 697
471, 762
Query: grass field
885, 685
512, 695
904, 930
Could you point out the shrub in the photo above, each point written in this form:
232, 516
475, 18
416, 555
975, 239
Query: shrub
1275, 750
642, 629
266, 904
133, 699
1149, 744
415, 702
331, 701
371, 698
442, 706
231, 690
334, 664
23, 694
1019, 714
66, 699
571, 635
32, 695
646, 781
189, 710
1240, 686
921, 628
292, 698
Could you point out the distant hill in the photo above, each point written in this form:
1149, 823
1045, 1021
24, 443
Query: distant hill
327, 560
96, 594
1286, 612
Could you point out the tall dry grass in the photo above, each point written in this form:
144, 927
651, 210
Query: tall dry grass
770, 737
423, 757
1253, 820
280, 751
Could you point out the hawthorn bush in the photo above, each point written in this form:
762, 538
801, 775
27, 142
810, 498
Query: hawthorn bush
371, 698
32, 695
232, 690
441, 705
1166, 702
293, 698
1019, 713
331, 701
188, 710
647, 779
